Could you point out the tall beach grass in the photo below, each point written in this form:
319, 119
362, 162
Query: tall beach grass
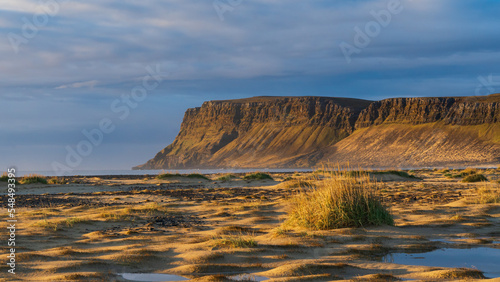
339, 200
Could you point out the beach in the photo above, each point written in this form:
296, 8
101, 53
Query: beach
222, 227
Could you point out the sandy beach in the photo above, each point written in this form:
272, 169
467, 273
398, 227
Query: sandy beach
117, 228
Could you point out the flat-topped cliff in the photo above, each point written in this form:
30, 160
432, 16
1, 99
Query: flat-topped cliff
262, 132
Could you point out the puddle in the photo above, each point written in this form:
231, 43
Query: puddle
152, 277
248, 277
483, 259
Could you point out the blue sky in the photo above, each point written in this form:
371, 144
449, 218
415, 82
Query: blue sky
64, 63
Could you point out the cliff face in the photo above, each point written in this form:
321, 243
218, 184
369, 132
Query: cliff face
306, 131
281, 131
456, 111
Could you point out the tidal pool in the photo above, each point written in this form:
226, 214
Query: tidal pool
486, 260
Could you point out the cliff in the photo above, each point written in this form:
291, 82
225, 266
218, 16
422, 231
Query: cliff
307, 131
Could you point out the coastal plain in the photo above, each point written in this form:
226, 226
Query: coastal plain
220, 227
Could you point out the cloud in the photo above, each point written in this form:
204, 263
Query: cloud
115, 40
90, 84
92, 52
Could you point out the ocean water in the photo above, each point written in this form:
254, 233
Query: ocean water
155, 172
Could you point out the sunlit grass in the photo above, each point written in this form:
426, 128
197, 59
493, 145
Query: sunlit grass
475, 178
339, 201
234, 242
58, 224
486, 195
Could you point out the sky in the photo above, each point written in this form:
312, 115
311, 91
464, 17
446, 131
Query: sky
105, 84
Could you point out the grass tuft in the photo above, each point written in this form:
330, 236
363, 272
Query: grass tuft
486, 195
234, 242
57, 180
59, 223
296, 183
257, 176
475, 178
338, 202
227, 177
33, 178
4, 177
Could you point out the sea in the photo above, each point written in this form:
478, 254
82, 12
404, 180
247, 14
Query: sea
221, 171
156, 172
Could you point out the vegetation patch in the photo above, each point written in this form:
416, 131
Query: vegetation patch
475, 178
56, 225
486, 195
297, 183
234, 242
57, 180
33, 178
465, 173
197, 175
339, 202
227, 177
4, 177
396, 172
257, 176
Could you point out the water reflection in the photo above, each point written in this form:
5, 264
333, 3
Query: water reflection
486, 260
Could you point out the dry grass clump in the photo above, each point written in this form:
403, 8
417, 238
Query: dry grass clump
115, 216
58, 224
257, 176
296, 183
338, 202
486, 195
234, 242
475, 178
4, 177
149, 209
227, 177
57, 180
464, 173
197, 175
33, 178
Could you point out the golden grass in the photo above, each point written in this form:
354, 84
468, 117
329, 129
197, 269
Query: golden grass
234, 242
339, 201
486, 195
296, 183
58, 224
